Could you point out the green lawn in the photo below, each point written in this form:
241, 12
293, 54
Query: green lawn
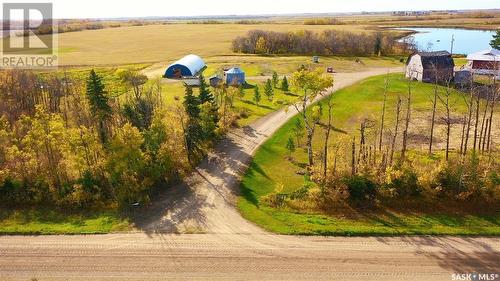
45, 221
270, 170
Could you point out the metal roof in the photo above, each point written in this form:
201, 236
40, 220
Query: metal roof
431, 60
235, 70
193, 62
486, 55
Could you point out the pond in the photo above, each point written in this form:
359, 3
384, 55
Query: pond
466, 40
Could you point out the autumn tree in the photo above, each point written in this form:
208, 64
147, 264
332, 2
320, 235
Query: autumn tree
260, 46
134, 80
309, 84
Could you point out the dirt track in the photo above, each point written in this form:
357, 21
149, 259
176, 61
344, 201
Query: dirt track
228, 247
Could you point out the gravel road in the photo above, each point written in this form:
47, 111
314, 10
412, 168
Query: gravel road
227, 247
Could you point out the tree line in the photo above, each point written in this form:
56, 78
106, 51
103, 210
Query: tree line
98, 139
376, 162
305, 42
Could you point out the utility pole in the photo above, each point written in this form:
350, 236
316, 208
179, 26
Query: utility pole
452, 43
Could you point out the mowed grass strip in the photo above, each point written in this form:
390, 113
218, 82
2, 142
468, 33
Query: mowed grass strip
45, 222
271, 171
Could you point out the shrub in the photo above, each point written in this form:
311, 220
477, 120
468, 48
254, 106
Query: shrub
405, 184
361, 189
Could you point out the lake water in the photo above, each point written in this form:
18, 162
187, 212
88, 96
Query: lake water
466, 41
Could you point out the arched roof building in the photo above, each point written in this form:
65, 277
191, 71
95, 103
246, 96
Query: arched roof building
188, 66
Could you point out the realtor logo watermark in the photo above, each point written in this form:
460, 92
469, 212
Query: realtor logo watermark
475, 276
30, 36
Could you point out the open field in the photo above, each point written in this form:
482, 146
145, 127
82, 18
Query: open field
156, 43
270, 170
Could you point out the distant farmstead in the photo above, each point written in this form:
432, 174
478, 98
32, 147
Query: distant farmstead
189, 67
486, 62
430, 66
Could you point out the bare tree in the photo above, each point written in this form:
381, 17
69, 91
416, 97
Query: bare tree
447, 118
363, 152
476, 126
492, 111
462, 138
386, 88
407, 122
433, 117
396, 129
353, 157
483, 123
327, 134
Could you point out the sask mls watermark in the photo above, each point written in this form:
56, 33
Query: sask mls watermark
475, 276
29, 36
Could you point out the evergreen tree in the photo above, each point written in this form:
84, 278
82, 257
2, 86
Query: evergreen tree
275, 79
241, 91
284, 85
495, 42
209, 110
298, 130
290, 146
205, 94
268, 90
256, 95
96, 95
193, 133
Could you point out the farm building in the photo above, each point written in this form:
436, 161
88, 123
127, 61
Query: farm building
215, 81
486, 62
430, 66
235, 77
189, 66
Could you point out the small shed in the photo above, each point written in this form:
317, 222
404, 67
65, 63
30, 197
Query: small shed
188, 67
430, 66
215, 81
485, 62
463, 77
235, 76
315, 59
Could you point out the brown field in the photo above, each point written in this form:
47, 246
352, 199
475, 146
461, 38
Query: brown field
155, 43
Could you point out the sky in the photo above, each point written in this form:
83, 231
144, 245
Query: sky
145, 8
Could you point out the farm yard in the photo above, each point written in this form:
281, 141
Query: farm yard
277, 171
129, 61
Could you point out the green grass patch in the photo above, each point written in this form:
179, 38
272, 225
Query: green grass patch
270, 170
45, 222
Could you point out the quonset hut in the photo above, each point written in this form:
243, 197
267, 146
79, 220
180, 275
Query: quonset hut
190, 66
235, 77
